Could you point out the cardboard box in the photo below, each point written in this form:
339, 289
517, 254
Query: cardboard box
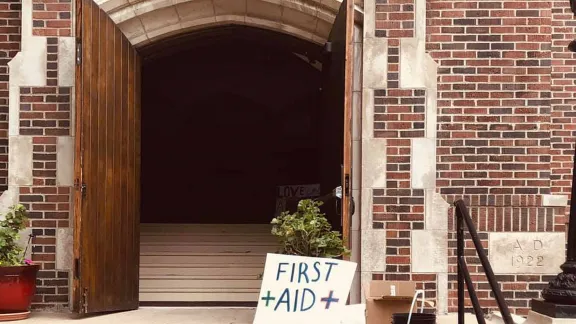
384, 298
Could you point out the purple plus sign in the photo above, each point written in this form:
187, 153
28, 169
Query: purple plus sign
330, 299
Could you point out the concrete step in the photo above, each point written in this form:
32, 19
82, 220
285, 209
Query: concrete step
492, 318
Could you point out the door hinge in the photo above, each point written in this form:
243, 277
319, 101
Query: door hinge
84, 301
77, 268
78, 52
80, 186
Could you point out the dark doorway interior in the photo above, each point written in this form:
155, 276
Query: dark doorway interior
227, 116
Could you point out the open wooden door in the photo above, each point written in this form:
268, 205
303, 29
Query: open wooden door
107, 167
336, 134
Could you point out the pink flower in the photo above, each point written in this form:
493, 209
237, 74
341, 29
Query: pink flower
27, 262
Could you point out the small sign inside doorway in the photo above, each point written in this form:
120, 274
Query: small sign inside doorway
299, 191
288, 196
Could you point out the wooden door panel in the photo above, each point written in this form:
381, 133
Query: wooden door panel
337, 105
108, 146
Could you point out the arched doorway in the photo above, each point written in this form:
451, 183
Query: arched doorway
252, 86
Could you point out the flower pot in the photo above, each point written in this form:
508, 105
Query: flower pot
17, 288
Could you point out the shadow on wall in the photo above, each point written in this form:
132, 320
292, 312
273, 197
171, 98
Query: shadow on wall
222, 126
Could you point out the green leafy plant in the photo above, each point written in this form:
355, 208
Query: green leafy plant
14, 221
307, 232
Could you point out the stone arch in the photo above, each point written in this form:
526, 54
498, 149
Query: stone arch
146, 21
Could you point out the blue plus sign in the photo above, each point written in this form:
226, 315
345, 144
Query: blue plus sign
330, 299
268, 299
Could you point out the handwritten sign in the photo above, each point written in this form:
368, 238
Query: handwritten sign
300, 290
299, 191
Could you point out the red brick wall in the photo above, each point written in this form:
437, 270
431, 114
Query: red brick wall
505, 126
502, 121
399, 116
52, 18
45, 115
563, 92
10, 12
395, 18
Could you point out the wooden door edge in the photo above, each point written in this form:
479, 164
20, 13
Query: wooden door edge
347, 145
76, 210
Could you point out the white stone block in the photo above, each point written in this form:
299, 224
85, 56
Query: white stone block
435, 211
14, 108
423, 163
64, 249
429, 251
123, 15
358, 36
420, 19
373, 250
374, 163
296, 31
365, 278
355, 223
164, 31
263, 9
323, 28
66, 61
8, 198
356, 164
554, 200
20, 160
192, 10
526, 253
369, 19
431, 119
132, 28
30, 69
150, 6
333, 4
111, 5
65, 161
412, 63
357, 115
228, 7
159, 19
26, 18
357, 70
299, 19
366, 209
375, 63
442, 293
417, 68
367, 113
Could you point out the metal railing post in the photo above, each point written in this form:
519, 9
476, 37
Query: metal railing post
460, 256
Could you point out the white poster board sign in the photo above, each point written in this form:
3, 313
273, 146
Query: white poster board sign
302, 290
351, 314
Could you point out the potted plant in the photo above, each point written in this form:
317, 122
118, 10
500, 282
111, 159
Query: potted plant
307, 232
17, 275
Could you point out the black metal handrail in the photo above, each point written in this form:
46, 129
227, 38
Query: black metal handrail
463, 217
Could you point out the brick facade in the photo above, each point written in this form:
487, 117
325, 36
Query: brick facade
505, 97
504, 127
45, 119
10, 35
52, 18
